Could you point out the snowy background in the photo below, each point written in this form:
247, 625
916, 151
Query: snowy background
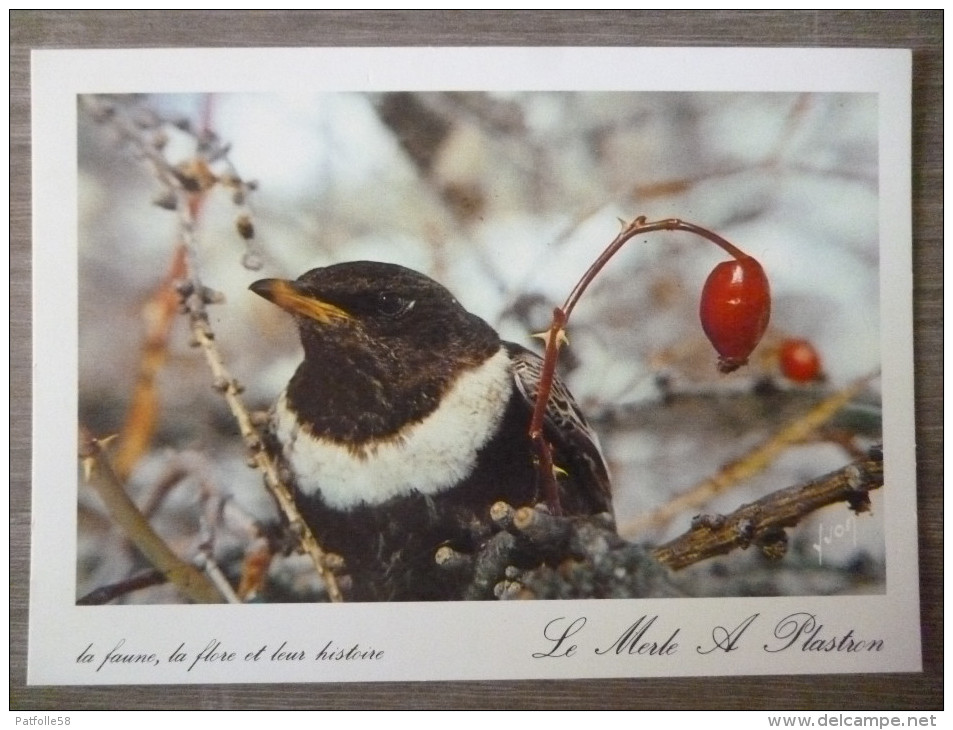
505, 199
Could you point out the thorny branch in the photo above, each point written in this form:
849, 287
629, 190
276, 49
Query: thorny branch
763, 522
555, 337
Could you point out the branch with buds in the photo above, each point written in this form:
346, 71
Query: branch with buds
763, 523
185, 186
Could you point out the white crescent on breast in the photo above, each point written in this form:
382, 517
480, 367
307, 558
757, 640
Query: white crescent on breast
432, 455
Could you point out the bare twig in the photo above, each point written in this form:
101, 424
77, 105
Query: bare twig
123, 511
167, 482
751, 463
763, 522
640, 226
215, 575
158, 313
185, 186
195, 299
107, 593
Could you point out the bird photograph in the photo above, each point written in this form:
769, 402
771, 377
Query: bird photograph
408, 418
453, 346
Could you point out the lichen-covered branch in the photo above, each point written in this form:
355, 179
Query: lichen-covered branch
538, 555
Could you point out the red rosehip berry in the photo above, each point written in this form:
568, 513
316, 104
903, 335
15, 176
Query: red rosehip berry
799, 360
735, 309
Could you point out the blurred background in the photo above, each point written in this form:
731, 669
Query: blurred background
506, 199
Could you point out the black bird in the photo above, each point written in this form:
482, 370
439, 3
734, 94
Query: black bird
407, 420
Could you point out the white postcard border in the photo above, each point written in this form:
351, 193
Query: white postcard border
456, 640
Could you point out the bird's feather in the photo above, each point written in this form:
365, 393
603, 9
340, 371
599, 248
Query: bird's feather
565, 427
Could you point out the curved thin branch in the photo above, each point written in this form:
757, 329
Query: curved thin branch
638, 227
104, 594
556, 335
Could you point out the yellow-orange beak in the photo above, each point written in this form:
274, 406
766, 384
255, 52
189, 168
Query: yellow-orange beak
289, 296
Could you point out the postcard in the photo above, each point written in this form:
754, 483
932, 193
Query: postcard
471, 363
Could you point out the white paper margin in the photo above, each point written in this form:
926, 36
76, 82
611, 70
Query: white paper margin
453, 640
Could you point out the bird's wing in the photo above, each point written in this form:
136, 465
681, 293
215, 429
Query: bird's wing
576, 446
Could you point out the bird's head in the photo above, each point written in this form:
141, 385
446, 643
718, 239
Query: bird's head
383, 316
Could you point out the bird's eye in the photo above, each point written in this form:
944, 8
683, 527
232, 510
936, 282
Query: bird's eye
393, 305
